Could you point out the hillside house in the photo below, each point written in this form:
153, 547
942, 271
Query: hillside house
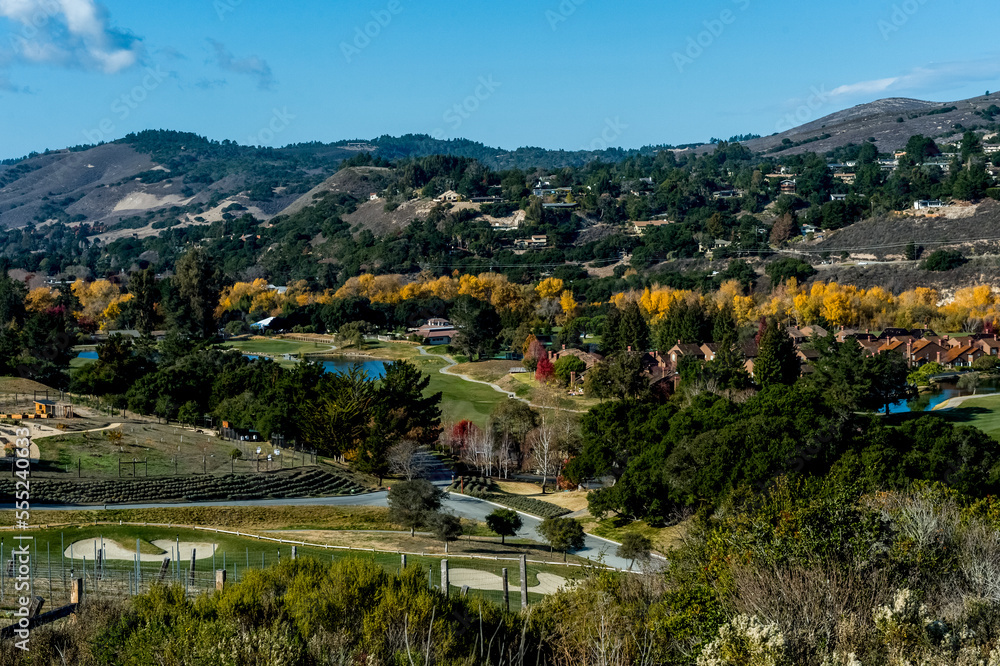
373, 196
537, 241
846, 178
451, 196
639, 228
788, 187
927, 204
838, 197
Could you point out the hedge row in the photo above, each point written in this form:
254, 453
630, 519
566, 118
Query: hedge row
490, 492
298, 483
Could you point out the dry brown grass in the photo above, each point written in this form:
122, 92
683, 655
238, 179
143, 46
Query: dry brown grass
423, 543
574, 501
486, 371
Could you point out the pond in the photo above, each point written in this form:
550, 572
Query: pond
927, 401
340, 364
371, 367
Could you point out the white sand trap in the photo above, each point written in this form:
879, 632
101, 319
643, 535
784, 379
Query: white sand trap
115, 551
483, 580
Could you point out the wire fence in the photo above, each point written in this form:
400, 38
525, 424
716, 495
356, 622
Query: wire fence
109, 571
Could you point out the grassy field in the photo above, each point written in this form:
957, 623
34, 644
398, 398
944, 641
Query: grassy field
159, 444
983, 413
663, 538
460, 400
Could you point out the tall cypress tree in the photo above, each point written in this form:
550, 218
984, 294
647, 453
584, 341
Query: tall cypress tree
633, 331
776, 361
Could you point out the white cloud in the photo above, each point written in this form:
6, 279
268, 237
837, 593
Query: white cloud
68, 33
252, 66
928, 79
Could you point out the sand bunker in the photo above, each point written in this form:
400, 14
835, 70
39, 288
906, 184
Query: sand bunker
115, 551
483, 580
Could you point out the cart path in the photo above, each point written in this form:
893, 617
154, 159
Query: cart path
595, 548
446, 370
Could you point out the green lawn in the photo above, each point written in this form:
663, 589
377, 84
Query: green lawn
276, 346
983, 413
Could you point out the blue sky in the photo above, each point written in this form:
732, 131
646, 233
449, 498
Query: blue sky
553, 73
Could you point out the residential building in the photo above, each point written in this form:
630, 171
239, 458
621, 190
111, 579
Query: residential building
925, 204
640, 227
681, 350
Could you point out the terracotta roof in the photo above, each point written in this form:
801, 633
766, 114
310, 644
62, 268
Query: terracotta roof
955, 353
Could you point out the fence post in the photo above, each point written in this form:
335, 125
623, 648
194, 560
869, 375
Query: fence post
402, 564
295, 551
191, 572
76, 591
506, 590
444, 578
220, 579
524, 581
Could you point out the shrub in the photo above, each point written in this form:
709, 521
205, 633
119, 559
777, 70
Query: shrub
943, 260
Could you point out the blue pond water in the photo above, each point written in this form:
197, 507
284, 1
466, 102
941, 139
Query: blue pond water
925, 402
341, 364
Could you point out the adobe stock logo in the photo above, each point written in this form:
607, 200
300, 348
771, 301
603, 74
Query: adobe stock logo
806, 111
613, 130
459, 113
901, 15
124, 105
562, 13
279, 122
714, 28
363, 36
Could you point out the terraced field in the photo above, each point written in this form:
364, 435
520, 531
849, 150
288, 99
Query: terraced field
309, 482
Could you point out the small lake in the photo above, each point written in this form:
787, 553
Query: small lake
372, 368
341, 364
927, 401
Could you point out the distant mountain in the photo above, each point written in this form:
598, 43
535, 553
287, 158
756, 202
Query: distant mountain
156, 179
890, 122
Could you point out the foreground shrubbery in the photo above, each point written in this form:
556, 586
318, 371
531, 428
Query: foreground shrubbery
810, 572
298, 613
803, 575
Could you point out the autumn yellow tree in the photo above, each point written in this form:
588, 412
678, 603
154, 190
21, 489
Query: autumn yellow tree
549, 288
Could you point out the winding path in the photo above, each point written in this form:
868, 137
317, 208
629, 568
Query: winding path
595, 548
451, 363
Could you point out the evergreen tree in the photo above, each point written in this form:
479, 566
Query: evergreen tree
198, 294
776, 361
142, 286
633, 331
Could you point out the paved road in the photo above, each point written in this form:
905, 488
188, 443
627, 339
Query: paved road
460, 505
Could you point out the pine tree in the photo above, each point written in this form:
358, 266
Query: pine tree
776, 361
633, 331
